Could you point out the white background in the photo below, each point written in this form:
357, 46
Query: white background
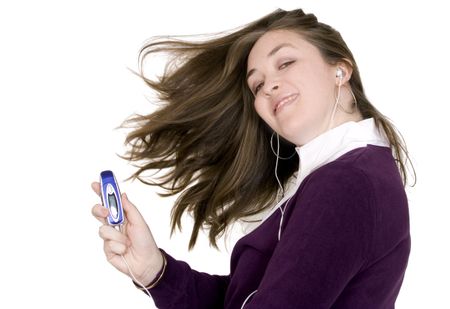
64, 87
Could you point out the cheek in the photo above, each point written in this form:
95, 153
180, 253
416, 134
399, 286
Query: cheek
319, 93
259, 108
324, 86
263, 111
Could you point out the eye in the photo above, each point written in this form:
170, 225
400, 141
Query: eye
257, 88
286, 64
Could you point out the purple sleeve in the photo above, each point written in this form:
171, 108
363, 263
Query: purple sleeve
325, 241
182, 287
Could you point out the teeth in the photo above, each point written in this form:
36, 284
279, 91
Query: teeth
288, 99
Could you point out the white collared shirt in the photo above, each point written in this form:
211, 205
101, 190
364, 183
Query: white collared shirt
321, 150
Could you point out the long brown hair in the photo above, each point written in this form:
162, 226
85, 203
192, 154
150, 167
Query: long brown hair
207, 135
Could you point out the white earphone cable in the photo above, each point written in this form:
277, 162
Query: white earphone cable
335, 105
131, 273
276, 169
248, 297
330, 121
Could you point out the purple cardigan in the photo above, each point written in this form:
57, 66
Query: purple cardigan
345, 243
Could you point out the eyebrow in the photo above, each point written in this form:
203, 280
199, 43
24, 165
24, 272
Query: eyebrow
272, 52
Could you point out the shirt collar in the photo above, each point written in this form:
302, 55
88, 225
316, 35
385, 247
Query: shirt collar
335, 142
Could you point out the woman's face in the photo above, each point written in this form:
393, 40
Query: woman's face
292, 84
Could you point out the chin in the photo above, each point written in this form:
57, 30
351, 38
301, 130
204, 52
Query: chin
302, 139
293, 134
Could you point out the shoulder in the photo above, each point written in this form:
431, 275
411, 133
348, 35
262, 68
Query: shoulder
363, 168
339, 187
339, 178
365, 179
341, 190
371, 160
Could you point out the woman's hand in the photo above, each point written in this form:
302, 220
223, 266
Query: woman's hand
135, 242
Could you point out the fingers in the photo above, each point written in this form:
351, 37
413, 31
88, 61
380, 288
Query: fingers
115, 245
96, 187
116, 241
100, 213
108, 232
113, 248
114, 254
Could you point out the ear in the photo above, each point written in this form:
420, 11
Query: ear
347, 70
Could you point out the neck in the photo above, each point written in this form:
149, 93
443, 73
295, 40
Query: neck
346, 110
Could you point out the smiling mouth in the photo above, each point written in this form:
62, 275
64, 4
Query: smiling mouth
284, 102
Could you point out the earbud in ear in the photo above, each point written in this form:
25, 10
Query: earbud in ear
339, 73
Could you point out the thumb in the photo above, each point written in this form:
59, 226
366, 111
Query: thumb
131, 212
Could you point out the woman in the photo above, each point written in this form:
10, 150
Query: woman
281, 94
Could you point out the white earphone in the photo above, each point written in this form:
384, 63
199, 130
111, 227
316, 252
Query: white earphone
339, 73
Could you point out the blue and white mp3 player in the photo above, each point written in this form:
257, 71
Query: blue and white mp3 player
111, 197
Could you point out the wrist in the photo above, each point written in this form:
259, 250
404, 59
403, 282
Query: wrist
151, 280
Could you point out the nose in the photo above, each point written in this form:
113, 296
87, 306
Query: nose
269, 88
